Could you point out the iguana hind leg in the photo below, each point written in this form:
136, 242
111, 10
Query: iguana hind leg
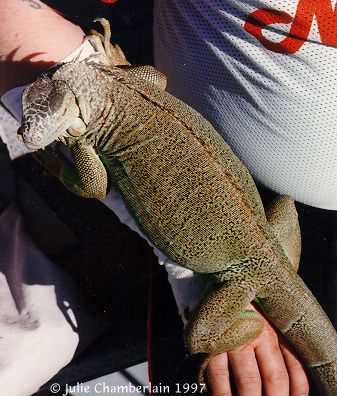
219, 315
244, 329
282, 217
222, 323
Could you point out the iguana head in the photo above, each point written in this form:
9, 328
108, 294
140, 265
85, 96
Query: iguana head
50, 111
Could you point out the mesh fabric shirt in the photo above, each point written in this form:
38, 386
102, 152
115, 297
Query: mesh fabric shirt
264, 72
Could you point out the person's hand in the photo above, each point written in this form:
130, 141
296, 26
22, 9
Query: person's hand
265, 365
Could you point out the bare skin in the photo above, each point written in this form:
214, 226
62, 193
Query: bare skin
33, 37
265, 364
24, 54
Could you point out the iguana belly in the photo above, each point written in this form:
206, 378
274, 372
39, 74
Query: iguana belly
185, 200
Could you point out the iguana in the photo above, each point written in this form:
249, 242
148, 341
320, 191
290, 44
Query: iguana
189, 194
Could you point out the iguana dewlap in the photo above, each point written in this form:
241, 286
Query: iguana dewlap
189, 194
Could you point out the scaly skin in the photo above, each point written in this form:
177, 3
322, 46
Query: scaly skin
190, 195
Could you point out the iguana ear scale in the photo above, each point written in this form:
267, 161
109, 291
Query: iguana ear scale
77, 128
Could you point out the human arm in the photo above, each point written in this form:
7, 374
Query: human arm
33, 37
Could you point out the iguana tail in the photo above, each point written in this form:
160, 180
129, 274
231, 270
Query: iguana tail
295, 312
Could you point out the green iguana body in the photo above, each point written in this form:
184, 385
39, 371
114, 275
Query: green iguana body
191, 196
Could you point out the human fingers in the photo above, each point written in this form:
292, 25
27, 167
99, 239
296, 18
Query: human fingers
273, 369
245, 371
299, 384
218, 375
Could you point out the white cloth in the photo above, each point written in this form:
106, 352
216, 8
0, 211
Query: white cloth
188, 288
39, 313
42, 315
273, 97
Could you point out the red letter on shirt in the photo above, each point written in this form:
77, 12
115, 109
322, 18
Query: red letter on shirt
326, 18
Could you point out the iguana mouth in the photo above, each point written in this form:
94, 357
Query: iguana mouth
36, 141
33, 142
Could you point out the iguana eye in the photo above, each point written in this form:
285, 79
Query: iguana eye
59, 96
33, 92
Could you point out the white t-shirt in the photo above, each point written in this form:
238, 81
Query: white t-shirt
264, 72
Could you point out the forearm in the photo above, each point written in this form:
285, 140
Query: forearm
32, 38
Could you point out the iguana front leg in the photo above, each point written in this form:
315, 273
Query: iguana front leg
91, 171
86, 177
59, 168
115, 57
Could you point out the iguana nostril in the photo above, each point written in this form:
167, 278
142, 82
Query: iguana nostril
28, 136
20, 131
23, 128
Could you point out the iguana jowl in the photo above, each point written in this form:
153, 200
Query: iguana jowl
191, 196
